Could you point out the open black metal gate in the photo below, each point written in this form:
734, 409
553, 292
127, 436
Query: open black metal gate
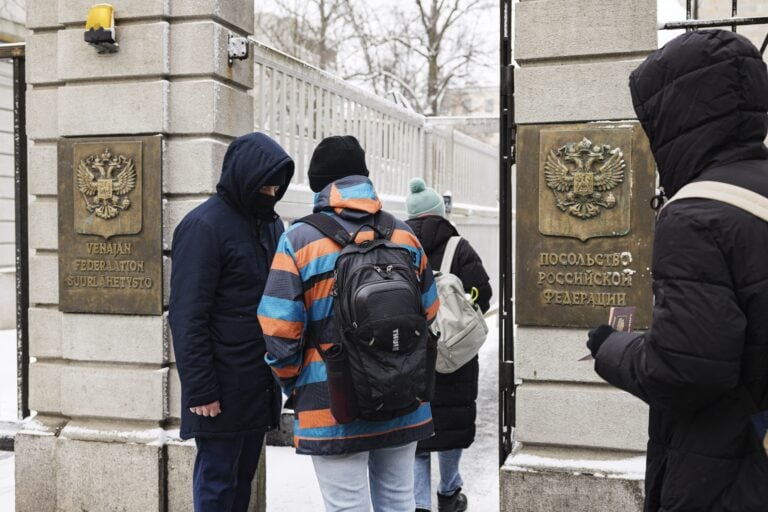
507, 146
506, 246
16, 52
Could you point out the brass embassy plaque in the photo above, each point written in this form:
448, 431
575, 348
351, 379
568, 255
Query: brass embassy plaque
110, 225
584, 224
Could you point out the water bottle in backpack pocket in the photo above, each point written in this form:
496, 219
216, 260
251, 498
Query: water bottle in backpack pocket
343, 404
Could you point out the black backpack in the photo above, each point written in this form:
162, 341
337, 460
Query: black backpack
381, 365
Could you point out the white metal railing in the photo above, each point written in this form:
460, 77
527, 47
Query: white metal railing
299, 105
462, 165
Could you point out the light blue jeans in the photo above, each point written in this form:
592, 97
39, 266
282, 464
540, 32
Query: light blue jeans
344, 481
450, 479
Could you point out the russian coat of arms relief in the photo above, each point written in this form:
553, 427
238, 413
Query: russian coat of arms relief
105, 181
582, 176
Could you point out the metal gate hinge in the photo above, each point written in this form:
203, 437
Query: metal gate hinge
237, 48
507, 374
506, 79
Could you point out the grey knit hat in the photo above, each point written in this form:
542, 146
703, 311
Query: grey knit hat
423, 200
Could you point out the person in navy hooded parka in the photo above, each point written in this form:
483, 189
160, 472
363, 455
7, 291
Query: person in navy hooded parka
222, 251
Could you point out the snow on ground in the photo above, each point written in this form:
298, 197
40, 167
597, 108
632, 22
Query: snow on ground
7, 498
632, 468
291, 482
7, 413
8, 375
480, 463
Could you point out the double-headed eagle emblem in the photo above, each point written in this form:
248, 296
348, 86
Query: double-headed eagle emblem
582, 175
104, 193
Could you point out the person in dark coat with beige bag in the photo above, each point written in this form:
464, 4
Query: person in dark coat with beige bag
703, 365
453, 406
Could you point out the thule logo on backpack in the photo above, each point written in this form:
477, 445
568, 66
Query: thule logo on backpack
396, 340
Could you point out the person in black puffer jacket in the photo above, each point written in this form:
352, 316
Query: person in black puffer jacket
703, 365
453, 405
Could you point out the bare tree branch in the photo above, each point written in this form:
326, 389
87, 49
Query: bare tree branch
406, 88
411, 47
420, 48
312, 30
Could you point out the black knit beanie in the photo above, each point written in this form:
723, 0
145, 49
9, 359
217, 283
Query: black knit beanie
335, 158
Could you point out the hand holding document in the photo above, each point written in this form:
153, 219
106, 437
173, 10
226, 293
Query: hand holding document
621, 319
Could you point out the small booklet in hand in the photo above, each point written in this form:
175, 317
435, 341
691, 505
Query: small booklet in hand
621, 319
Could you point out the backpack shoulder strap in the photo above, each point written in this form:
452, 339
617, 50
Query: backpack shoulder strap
329, 227
450, 253
385, 224
740, 197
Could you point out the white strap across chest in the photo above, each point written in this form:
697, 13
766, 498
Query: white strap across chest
740, 197
450, 252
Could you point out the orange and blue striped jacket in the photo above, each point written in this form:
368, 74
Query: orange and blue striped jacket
293, 313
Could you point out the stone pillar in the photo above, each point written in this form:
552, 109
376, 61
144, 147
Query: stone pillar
105, 386
580, 442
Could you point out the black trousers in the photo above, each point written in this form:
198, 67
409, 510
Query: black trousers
224, 470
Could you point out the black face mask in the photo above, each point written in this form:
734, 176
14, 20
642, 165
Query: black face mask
263, 206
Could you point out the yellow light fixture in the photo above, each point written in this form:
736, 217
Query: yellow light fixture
100, 28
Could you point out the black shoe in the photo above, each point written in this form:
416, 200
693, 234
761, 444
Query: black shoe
456, 502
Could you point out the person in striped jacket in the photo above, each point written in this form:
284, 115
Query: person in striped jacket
294, 314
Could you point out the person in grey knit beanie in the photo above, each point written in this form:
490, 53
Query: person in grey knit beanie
423, 200
454, 407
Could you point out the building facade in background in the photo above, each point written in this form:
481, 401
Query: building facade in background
473, 110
